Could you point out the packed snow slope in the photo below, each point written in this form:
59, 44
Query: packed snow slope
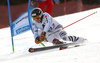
88, 28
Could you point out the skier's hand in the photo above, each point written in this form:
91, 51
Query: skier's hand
42, 36
37, 40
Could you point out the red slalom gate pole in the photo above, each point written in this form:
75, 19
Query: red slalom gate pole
64, 6
71, 24
81, 5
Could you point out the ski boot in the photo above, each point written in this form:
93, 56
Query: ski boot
84, 41
57, 42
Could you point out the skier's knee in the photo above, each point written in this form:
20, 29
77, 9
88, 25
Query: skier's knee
63, 35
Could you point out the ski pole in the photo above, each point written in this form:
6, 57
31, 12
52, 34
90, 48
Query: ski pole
71, 24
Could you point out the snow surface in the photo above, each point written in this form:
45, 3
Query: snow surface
88, 28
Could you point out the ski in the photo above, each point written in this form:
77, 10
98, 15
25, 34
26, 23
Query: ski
60, 46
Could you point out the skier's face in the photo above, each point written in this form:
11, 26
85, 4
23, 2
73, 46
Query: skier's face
37, 19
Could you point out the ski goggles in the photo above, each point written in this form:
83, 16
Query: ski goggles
37, 17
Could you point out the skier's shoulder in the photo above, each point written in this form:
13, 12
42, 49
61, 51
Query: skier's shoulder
46, 15
33, 22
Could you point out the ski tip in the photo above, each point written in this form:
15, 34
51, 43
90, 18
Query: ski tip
31, 50
62, 48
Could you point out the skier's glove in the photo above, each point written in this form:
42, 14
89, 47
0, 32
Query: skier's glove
42, 36
37, 40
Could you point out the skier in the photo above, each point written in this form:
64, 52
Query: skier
44, 24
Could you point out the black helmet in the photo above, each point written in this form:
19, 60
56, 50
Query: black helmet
37, 12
